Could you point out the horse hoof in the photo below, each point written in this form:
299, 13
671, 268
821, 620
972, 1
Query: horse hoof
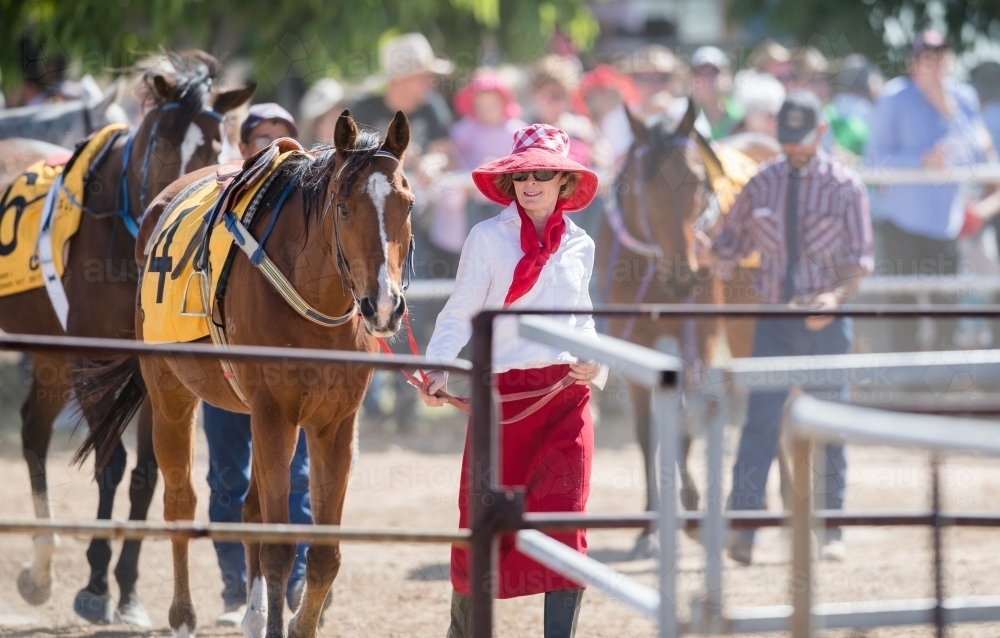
131, 611
646, 546
30, 591
98, 610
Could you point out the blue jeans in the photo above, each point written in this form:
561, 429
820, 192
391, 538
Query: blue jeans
228, 435
759, 440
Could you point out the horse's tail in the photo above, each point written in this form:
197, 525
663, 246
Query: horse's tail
109, 394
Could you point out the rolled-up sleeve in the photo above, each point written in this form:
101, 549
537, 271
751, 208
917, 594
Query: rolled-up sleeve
733, 241
858, 222
472, 285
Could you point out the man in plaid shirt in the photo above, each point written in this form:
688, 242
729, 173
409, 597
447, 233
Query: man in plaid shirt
807, 216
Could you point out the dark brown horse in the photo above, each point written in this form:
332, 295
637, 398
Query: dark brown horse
350, 205
646, 254
180, 133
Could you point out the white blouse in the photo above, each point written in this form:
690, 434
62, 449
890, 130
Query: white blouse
485, 272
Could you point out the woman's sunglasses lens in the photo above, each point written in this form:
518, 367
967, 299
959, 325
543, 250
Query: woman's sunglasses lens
544, 176
519, 177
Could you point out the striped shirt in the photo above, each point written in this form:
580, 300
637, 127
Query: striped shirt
834, 226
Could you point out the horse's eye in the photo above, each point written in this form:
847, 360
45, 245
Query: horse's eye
409, 209
343, 211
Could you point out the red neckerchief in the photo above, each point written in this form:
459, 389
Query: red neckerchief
536, 254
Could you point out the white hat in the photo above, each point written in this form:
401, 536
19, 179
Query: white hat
409, 54
320, 98
758, 92
710, 56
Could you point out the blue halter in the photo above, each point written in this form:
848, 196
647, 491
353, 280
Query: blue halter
124, 212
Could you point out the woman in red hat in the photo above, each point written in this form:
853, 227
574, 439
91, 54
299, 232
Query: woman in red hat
529, 256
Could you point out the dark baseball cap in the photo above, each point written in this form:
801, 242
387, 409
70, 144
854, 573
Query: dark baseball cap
264, 112
799, 117
929, 40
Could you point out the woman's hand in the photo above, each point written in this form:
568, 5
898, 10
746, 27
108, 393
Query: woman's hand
436, 380
584, 371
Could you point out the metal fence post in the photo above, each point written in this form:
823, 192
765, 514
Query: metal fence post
484, 457
801, 581
666, 420
714, 528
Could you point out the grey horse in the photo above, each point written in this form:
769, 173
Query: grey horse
64, 123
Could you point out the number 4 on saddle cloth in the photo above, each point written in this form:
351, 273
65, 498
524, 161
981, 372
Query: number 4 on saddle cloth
29, 257
175, 296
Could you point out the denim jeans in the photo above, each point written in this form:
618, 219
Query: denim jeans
228, 435
762, 430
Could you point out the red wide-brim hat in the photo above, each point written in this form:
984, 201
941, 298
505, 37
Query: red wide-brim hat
539, 147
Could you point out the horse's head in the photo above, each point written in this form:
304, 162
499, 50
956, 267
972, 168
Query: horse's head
182, 132
370, 200
662, 189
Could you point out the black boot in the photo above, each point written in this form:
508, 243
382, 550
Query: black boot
461, 616
561, 611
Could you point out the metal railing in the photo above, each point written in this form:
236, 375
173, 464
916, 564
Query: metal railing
496, 511
811, 420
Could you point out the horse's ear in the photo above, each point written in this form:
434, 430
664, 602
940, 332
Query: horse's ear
228, 100
637, 124
346, 132
687, 122
164, 86
398, 136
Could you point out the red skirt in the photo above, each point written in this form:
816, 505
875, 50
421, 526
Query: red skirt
549, 453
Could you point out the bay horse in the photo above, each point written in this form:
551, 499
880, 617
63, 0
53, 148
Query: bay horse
350, 264
180, 133
646, 254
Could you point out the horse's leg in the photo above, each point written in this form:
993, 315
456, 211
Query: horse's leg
45, 400
273, 448
330, 451
93, 602
255, 620
173, 408
140, 492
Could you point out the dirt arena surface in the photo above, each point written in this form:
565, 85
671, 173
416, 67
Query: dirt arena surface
402, 590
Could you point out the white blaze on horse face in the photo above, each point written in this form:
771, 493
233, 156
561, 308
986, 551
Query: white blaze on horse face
193, 139
378, 188
255, 619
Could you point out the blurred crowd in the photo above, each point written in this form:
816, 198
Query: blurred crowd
460, 118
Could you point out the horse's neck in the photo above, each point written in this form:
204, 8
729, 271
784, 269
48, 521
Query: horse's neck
101, 192
306, 258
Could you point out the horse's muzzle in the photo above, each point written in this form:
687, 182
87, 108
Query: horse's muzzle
382, 326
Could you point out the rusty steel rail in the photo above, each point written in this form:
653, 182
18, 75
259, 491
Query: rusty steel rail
236, 532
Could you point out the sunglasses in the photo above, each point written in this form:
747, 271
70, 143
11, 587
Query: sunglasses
540, 176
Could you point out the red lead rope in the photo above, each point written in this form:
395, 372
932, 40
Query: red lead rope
422, 383
545, 394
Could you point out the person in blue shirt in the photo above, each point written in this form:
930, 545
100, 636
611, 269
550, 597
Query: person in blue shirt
926, 119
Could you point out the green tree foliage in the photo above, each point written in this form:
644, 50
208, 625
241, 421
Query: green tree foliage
840, 27
303, 38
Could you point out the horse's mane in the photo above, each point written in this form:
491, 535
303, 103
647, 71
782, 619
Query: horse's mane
312, 173
193, 73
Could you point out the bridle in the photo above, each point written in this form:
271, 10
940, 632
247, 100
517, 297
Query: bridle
342, 266
124, 203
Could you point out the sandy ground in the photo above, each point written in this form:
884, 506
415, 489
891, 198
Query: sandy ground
402, 590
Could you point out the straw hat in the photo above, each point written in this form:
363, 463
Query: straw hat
410, 54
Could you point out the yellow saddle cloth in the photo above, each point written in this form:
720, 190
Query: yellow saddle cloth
174, 298
21, 215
